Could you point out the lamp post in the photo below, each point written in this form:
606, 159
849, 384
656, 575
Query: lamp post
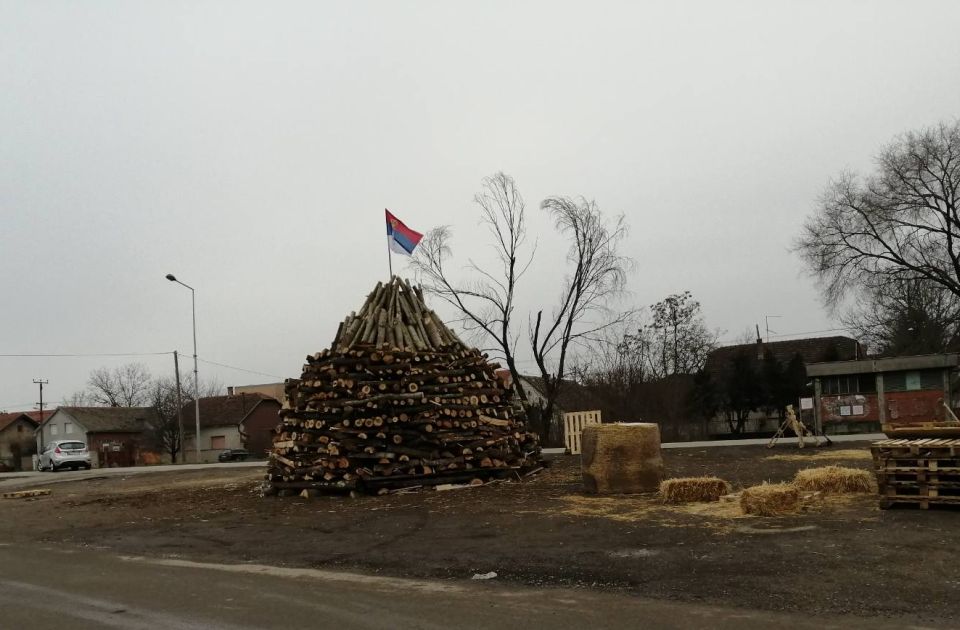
196, 379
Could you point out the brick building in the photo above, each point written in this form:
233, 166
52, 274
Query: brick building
862, 396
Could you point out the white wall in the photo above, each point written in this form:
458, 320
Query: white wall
208, 454
61, 422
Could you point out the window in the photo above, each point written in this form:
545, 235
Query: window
218, 442
19, 428
68, 427
912, 380
848, 384
54, 429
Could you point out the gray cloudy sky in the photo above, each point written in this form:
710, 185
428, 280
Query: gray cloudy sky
250, 148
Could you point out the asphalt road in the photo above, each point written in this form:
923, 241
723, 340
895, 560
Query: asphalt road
44, 588
27, 478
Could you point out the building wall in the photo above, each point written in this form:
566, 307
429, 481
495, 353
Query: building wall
208, 438
850, 408
61, 426
259, 426
913, 407
274, 390
17, 445
112, 450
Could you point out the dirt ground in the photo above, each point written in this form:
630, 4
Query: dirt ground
839, 556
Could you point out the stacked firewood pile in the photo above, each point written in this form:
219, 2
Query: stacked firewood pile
397, 401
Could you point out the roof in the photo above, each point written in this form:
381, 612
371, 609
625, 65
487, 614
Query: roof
887, 364
6, 419
110, 419
573, 396
222, 411
811, 350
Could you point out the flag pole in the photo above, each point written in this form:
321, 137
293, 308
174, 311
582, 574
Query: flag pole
389, 257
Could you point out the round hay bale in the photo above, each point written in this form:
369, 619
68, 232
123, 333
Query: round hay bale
836, 479
770, 499
693, 489
621, 458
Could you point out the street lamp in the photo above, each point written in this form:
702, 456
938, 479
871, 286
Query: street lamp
196, 379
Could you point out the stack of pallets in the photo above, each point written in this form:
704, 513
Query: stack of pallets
922, 472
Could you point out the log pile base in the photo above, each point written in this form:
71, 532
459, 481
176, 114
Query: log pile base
397, 401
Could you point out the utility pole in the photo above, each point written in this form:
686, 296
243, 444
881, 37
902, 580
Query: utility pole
41, 383
176, 370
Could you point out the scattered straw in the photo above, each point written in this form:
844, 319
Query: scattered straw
823, 454
770, 499
834, 479
693, 489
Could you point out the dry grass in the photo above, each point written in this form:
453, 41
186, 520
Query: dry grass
693, 489
770, 499
824, 454
835, 479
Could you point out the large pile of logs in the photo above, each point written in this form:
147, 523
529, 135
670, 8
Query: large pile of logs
397, 401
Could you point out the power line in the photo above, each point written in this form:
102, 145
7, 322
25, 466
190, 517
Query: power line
239, 369
99, 354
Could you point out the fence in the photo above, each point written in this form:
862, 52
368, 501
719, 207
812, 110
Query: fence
573, 424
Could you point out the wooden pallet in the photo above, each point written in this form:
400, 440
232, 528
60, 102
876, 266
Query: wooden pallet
923, 472
24, 494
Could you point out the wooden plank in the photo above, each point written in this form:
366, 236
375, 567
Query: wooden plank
24, 494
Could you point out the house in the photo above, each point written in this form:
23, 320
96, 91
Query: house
573, 397
115, 436
735, 374
17, 444
232, 421
861, 396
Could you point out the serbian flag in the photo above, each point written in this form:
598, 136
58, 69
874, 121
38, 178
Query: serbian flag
402, 239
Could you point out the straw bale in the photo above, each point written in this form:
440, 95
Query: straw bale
836, 479
621, 458
693, 489
770, 499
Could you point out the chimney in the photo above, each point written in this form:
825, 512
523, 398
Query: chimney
759, 345
230, 390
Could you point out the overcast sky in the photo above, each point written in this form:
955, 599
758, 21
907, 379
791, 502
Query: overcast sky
250, 148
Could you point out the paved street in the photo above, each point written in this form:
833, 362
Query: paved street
45, 588
34, 478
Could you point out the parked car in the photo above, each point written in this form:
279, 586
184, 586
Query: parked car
234, 455
64, 454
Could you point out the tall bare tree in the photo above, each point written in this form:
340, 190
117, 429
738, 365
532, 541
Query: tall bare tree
677, 341
124, 386
596, 277
906, 316
487, 299
900, 223
164, 429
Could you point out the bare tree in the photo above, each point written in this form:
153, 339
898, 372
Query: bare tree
164, 427
78, 399
487, 300
900, 223
125, 386
906, 316
677, 341
596, 278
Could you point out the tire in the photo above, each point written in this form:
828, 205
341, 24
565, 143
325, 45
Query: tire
53, 467
87, 466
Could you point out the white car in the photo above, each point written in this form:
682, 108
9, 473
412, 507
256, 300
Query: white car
64, 454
